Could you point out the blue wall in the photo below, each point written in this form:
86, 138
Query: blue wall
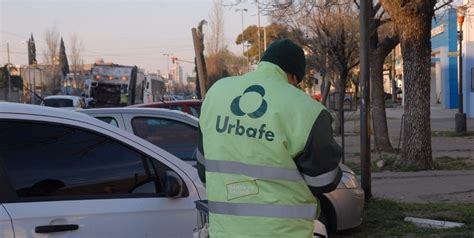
447, 40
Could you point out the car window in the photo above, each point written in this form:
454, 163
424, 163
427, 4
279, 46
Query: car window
178, 138
82, 103
58, 102
55, 160
195, 110
109, 120
178, 108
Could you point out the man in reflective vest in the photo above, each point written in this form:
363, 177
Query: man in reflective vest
267, 149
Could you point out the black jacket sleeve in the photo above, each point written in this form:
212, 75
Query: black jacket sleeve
319, 160
201, 167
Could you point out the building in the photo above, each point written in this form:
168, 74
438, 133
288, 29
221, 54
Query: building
444, 63
177, 73
468, 63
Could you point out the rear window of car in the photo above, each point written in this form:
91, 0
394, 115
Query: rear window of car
178, 138
58, 102
109, 120
195, 110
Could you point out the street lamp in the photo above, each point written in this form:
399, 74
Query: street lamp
460, 117
242, 10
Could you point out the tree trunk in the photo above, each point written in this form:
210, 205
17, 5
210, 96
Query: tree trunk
413, 22
379, 117
325, 90
416, 127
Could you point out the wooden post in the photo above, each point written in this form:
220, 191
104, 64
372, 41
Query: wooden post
199, 61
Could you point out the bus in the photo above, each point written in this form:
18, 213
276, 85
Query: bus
113, 85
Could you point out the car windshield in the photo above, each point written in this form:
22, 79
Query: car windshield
58, 102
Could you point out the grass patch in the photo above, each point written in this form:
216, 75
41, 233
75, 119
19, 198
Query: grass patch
382, 218
450, 163
451, 134
390, 164
353, 165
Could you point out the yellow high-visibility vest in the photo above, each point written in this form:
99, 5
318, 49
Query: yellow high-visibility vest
253, 127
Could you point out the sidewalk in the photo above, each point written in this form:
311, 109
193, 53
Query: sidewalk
425, 186
441, 120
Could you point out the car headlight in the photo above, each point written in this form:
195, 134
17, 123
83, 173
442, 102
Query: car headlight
349, 180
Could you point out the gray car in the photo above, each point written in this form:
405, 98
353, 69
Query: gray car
177, 133
65, 174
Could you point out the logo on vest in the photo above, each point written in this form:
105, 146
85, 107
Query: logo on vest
238, 128
235, 105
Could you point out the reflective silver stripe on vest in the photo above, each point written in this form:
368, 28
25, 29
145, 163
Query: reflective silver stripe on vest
256, 171
264, 210
200, 158
321, 180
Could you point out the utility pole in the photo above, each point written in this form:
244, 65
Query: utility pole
264, 39
365, 99
393, 75
8, 52
242, 10
460, 117
258, 28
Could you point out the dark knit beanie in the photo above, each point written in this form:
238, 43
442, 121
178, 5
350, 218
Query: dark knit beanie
287, 55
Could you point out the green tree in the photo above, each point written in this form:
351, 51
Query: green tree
63, 63
31, 51
274, 31
222, 64
330, 38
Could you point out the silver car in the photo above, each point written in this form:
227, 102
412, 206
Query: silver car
65, 174
177, 133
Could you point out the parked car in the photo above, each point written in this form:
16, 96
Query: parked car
177, 132
191, 106
64, 101
65, 174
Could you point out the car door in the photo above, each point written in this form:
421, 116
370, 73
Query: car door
176, 135
6, 226
68, 181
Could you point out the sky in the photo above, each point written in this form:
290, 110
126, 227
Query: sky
127, 32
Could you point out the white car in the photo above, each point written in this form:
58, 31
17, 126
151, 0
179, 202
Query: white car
65, 174
64, 101
177, 132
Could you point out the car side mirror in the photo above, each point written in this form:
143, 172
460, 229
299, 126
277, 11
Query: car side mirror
174, 185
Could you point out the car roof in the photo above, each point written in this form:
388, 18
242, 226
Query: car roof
139, 110
170, 103
62, 97
29, 109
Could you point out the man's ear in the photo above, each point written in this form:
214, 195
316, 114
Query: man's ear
292, 79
